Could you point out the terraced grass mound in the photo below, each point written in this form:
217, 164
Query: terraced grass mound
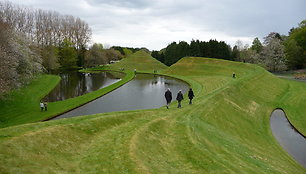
141, 61
226, 130
22, 105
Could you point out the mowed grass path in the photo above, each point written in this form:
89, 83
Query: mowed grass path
226, 130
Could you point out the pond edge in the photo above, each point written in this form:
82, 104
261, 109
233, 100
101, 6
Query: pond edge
288, 121
128, 77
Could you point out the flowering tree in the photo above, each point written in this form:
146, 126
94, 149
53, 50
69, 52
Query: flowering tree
19, 61
272, 55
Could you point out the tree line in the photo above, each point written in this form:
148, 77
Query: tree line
45, 27
175, 51
33, 41
276, 53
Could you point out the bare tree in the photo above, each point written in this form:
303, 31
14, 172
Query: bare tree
45, 27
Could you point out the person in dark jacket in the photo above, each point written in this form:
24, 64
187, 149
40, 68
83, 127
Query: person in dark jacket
179, 98
168, 96
190, 95
234, 75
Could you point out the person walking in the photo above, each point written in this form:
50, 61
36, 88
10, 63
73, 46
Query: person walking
190, 95
41, 104
46, 106
168, 96
179, 98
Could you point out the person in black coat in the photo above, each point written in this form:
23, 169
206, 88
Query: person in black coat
234, 75
179, 98
190, 95
168, 96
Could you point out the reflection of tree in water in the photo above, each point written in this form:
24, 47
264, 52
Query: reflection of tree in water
74, 84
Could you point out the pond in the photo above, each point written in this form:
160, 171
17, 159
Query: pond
75, 84
287, 136
145, 91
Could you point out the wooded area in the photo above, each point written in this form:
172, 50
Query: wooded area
276, 53
34, 41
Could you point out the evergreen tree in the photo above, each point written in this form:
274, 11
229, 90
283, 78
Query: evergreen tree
174, 52
235, 53
195, 48
158, 56
67, 54
256, 45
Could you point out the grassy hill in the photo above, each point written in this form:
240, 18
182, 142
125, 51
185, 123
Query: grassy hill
141, 61
226, 130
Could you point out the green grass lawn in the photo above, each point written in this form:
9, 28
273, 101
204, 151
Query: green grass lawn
22, 106
226, 130
141, 61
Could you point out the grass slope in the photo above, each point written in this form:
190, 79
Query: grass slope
141, 61
23, 107
226, 130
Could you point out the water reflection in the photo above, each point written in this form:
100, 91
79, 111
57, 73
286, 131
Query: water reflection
287, 136
75, 84
144, 92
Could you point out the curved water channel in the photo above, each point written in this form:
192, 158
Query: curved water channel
288, 137
75, 84
145, 91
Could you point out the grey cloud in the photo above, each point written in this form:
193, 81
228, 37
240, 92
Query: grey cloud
173, 20
122, 3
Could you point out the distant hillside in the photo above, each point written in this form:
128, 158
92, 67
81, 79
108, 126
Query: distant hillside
225, 130
209, 66
140, 61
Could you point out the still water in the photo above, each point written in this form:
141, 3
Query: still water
145, 91
75, 84
287, 136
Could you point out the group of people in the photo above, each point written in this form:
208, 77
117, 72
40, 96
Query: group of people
43, 106
179, 97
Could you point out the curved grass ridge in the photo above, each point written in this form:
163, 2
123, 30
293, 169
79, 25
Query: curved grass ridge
226, 130
24, 107
21, 105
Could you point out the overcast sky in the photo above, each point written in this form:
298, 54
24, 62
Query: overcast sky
156, 23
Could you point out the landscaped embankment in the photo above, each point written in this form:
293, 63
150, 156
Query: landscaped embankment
226, 130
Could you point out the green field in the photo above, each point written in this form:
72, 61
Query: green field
226, 130
22, 106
